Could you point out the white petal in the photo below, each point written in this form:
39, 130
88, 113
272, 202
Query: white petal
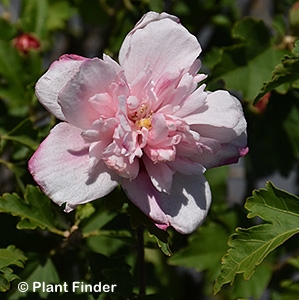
50, 84
61, 164
94, 77
185, 208
220, 116
160, 42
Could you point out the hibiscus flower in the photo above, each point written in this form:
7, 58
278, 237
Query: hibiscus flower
144, 123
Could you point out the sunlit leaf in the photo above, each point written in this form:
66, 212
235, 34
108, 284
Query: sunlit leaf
284, 75
249, 247
84, 211
247, 64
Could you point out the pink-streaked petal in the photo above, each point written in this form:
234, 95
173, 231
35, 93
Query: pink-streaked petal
60, 166
94, 77
50, 84
185, 208
160, 42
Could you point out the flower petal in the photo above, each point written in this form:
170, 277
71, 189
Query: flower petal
214, 153
221, 125
94, 77
160, 174
220, 116
50, 84
185, 208
61, 164
192, 104
160, 41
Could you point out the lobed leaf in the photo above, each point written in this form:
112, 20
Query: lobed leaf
6, 277
34, 211
249, 247
9, 256
287, 72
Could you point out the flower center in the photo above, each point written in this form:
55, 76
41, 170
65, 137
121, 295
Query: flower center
144, 122
141, 116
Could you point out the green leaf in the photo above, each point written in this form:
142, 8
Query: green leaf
204, 251
23, 133
84, 211
296, 48
162, 244
10, 69
59, 13
250, 62
12, 256
7, 31
249, 247
252, 32
284, 75
97, 221
34, 17
34, 211
5, 278
18, 75
9, 256
255, 287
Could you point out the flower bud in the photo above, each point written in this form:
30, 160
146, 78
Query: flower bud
25, 42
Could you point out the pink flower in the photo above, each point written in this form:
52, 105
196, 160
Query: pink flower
143, 123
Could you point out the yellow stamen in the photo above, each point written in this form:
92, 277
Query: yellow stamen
146, 122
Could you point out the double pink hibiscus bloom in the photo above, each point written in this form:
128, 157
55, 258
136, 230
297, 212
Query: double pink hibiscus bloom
143, 123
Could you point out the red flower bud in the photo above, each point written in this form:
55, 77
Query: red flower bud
25, 42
